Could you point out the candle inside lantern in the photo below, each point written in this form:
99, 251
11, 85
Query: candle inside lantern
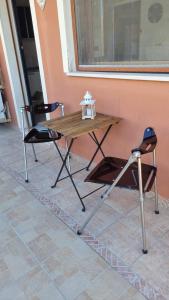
88, 111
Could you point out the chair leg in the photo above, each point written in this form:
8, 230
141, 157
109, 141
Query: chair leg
106, 193
34, 153
155, 185
101, 201
156, 197
26, 164
22, 109
69, 156
145, 251
62, 112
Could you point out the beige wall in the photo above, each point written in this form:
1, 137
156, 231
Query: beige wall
7, 91
139, 103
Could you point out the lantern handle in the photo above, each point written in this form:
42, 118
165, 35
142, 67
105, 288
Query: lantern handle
87, 96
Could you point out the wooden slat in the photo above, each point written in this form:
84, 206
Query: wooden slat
73, 126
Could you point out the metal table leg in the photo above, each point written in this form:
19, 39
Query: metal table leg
67, 169
94, 138
98, 146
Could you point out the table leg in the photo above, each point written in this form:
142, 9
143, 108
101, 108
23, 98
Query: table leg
94, 138
98, 146
67, 169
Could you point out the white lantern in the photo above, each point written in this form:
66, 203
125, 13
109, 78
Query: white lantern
88, 107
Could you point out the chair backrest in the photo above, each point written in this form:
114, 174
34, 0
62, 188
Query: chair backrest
149, 142
42, 108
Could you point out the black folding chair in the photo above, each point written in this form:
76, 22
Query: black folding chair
130, 174
38, 133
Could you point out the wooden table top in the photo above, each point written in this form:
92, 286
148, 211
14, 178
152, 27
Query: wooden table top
73, 126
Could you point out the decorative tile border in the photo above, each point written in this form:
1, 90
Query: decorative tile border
113, 260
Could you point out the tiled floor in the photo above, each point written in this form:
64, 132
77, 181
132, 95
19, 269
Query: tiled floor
41, 257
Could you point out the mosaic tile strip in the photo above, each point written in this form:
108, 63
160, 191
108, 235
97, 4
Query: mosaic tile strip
113, 260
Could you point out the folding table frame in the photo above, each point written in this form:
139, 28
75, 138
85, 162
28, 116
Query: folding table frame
72, 126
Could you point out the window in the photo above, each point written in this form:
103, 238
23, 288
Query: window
121, 35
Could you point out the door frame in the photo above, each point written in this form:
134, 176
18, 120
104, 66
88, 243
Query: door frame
13, 56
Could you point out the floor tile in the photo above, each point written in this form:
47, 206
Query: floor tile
16, 258
105, 284
42, 246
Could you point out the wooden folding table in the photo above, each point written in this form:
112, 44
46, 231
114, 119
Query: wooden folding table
72, 126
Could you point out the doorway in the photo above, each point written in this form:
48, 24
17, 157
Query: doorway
28, 55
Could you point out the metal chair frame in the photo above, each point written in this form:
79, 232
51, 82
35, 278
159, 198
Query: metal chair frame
135, 157
23, 111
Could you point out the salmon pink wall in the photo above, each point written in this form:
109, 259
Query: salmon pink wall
6, 83
139, 103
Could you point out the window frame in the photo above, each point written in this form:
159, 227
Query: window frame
105, 68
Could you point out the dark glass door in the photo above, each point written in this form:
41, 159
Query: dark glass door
25, 34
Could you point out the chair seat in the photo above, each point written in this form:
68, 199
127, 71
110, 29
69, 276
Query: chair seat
39, 134
110, 167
